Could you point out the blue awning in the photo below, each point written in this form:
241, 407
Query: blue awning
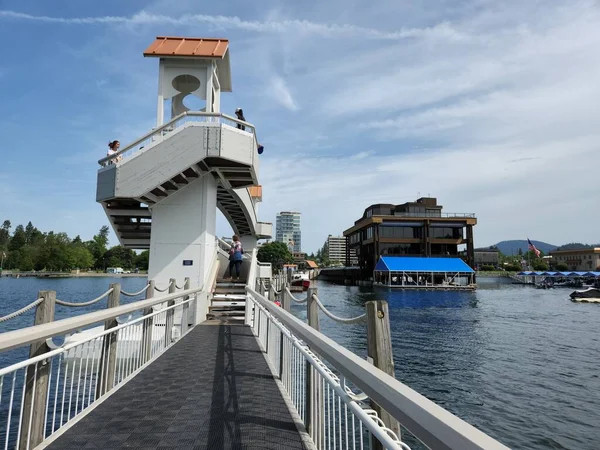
416, 264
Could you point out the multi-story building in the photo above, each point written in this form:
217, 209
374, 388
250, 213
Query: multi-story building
337, 249
411, 229
581, 260
486, 257
287, 230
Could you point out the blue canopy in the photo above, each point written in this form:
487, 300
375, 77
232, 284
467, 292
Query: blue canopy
417, 264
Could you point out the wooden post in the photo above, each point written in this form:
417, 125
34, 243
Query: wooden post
35, 399
379, 348
285, 299
148, 325
108, 359
314, 393
185, 322
169, 321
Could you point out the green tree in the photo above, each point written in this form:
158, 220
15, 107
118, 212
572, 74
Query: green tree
276, 253
5, 235
561, 267
119, 257
19, 239
142, 260
97, 247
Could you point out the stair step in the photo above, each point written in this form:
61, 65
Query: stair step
237, 297
227, 308
226, 314
228, 303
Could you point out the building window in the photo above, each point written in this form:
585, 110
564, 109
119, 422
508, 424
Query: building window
370, 233
446, 233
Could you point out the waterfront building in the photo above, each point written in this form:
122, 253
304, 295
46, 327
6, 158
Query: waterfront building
287, 230
336, 246
417, 228
488, 256
585, 259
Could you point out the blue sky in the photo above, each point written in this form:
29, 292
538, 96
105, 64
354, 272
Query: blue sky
492, 107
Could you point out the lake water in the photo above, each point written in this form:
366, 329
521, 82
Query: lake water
518, 363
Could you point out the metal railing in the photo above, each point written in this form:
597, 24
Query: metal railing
315, 370
432, 215
42, 394
157, 135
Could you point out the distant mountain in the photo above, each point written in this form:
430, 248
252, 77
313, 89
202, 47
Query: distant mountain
577, 246
512, 247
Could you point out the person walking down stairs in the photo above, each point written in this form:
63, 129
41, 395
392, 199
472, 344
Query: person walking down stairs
235, 257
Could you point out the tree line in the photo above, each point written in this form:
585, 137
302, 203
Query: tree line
27, 248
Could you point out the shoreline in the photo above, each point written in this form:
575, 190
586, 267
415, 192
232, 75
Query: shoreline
70, 275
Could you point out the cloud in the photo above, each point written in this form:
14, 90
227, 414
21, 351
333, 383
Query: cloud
280, 92
442, 30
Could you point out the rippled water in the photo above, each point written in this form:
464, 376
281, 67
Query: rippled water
518, 363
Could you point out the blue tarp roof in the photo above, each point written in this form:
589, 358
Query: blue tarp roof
417, 264
562, 274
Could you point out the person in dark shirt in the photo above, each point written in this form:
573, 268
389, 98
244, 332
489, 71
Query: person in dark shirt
240, 115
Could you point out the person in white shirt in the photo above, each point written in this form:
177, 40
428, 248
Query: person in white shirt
113, 148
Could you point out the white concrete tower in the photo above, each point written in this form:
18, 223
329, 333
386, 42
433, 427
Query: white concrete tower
163, 191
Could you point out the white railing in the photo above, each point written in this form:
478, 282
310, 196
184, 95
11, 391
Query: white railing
42, 394
307, 361
158, 134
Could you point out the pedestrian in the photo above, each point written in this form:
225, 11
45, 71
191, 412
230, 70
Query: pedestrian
113, 148
240, 115
235, 258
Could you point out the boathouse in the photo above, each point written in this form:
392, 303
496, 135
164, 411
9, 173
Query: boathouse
411, 272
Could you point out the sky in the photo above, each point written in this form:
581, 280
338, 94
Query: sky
492, 107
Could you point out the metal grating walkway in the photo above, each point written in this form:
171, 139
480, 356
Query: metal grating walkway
212, 390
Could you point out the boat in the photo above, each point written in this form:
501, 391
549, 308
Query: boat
589, 294
301, 279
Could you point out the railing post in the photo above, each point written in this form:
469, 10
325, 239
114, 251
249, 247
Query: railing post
314, 394
108, 361
379, 345
34, 405
169, 320
148, 325
185, 322
285, 299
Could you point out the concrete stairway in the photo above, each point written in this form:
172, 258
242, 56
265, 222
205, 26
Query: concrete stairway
228, 305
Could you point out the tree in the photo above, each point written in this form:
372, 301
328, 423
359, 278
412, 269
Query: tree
142, 260
5, 234
97, 247
19, 239
562, 267
119, 257
276, 253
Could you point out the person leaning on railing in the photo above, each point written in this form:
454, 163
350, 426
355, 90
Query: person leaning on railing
113, 148
240, 115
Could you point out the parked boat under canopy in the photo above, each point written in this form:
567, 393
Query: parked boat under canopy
410, 272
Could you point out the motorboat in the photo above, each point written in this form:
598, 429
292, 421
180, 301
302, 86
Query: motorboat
301, 279
589, 293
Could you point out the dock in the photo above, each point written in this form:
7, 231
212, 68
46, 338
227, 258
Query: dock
212, 390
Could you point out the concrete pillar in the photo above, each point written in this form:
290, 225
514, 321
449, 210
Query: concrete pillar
182, 242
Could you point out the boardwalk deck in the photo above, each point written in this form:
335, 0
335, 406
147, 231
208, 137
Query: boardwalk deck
212, 390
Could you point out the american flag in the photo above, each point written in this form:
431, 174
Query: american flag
533, 249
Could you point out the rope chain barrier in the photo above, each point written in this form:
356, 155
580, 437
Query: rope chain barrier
287, 289
162, 290
78, 305
133, 294
21, 311
336, 318
179, 287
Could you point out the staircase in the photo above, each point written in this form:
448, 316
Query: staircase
228, 305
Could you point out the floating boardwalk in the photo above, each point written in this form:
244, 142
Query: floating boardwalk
211, 390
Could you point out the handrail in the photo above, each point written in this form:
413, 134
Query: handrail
159, 129
430, 423
24, 336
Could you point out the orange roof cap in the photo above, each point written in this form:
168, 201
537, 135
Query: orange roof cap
188, 47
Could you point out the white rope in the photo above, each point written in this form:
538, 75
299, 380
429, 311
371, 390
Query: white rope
287, 289
336, 318
21, 311
162, 290
133, 294
91, 302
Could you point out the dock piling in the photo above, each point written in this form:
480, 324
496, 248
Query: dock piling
108, 361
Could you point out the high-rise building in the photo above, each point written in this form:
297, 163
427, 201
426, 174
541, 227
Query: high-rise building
287, 230
337, 249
